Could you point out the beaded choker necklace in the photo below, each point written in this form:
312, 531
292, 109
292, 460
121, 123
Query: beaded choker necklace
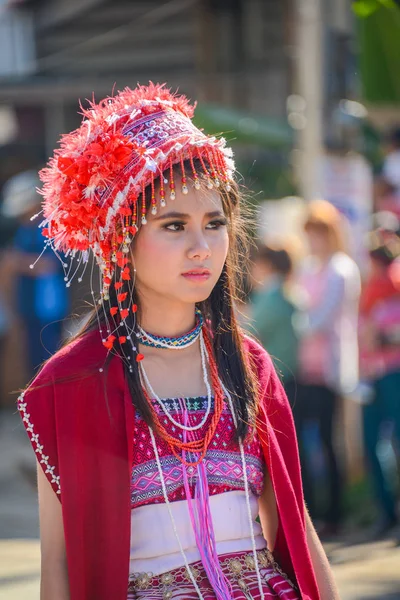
172, 343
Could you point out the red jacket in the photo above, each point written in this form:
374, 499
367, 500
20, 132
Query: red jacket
80, 423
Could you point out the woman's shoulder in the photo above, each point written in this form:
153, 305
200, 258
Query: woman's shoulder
259, 356
272, 395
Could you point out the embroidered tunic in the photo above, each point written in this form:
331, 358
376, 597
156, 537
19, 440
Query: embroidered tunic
157, 569
223, 461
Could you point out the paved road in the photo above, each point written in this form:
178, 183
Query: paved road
369, 571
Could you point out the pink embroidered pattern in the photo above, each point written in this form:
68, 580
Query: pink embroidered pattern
222, 461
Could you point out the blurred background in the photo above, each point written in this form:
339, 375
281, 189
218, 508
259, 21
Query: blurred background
307, 92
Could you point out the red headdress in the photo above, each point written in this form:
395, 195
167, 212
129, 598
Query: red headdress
94, 184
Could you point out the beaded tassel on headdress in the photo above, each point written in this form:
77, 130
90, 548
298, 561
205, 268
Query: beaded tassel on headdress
94, 192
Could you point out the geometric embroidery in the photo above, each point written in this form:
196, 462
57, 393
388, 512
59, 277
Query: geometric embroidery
38, 448
222, 461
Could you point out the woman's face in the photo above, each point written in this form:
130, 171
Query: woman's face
180, 253
319, 242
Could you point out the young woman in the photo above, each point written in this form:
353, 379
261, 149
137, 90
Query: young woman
328, 350
161, 432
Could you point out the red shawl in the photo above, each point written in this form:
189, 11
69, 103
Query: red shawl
80, 423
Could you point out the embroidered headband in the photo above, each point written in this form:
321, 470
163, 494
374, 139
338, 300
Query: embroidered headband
94, 185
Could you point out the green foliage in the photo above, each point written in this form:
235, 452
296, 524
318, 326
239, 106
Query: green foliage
365, 8
379, 57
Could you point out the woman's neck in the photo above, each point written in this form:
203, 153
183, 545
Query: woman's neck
168, 321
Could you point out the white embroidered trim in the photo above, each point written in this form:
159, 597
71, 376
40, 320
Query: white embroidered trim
38, 448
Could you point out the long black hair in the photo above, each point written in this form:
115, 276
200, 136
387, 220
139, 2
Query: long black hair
218, 311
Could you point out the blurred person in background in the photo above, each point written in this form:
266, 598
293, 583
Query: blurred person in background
272, 309
387, 185
328, 348
41, 299
380, 364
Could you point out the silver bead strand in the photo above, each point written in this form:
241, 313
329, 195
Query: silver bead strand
246, 488
171, 516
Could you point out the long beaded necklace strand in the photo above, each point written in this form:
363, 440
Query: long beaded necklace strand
201, 445
247, 494
161, 403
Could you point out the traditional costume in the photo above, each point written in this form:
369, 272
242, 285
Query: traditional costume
170, 511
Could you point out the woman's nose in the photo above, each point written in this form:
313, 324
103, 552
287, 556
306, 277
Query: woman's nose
199, 247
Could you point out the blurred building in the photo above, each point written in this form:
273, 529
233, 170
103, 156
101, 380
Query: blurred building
237, 54
239, 58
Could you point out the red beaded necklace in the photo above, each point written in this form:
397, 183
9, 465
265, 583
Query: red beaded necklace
177, 446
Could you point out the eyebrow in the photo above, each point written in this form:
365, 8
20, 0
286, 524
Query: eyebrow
179, 215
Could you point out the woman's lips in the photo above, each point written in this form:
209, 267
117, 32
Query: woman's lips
197, 275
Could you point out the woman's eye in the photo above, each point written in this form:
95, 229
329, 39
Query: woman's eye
217, 224
174, 226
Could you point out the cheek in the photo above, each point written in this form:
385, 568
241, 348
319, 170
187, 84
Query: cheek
152, 255
221, 247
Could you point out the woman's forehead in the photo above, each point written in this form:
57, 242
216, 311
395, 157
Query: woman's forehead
195, 202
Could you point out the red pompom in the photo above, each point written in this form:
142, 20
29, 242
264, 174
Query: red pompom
124, 313
122, 339
122, 297
109, 342
113, 310
134, 308
139, 357
118, 285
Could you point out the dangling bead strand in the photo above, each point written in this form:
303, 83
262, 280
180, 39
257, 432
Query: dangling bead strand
153, 197
213, 171
144, 220
134, 216
172, 194
210, 184
196, 180
184, 186
162, 190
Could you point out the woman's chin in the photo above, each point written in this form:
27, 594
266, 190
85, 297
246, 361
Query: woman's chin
196, 296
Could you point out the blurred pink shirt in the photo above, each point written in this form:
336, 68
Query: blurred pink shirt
328, 352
